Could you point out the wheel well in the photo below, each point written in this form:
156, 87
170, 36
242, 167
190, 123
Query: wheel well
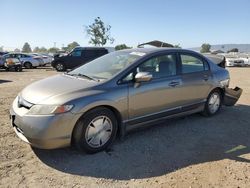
27, 62
116, 113
222, 91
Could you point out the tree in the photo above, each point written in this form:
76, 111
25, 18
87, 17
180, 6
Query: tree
43, 50
99, 33
71, 46
233, 50
205, 48
1, 48
17, 50
26, 48
177, 46
53, 50
40, 50
36, 50
121, 47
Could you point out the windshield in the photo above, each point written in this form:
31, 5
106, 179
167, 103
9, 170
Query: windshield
108, 65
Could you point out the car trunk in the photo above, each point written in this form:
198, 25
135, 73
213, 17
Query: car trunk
231, 95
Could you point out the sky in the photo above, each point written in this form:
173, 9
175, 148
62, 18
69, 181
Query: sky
186, 22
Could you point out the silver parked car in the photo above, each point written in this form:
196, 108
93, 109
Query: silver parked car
46, 58
28, 60
112, 94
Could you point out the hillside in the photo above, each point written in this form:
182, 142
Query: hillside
226, 47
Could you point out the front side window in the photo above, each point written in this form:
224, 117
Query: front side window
76, 53
191, 64
160, 66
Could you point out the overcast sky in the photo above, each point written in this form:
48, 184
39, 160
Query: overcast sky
186, 22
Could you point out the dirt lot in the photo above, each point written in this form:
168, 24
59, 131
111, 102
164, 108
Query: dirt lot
187, 152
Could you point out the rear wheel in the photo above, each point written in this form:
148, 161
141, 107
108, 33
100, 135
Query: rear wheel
213, 104
95, 131
60, 66
27, 65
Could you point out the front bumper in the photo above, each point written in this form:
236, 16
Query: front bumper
42, 131
232, 96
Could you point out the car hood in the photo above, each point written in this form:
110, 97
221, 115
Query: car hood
40, 91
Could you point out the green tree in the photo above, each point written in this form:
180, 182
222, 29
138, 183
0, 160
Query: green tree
233, 50
40, 50
36, 50
71, 46
121, 47
177, 46
43, 50
1, 48
17, 50
26, 48
53, 50
99, 33
205, 48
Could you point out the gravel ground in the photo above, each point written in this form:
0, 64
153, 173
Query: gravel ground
192, 151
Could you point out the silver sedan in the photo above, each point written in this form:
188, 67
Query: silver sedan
90, 105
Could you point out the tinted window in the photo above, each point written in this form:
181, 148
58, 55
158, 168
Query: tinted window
191, 64
90, 53
76, 53
160, 66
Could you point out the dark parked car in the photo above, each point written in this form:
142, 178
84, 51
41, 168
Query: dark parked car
3, 53
77, 57
117, 92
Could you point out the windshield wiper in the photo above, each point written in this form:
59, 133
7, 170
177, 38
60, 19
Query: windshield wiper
83, 75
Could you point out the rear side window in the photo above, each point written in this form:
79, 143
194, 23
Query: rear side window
191, 64
90, 53
94, 53
102, 52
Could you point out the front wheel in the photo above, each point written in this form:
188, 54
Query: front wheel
60, 67
213, 103
18, 69
95, 131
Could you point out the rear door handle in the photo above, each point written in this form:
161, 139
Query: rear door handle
174, 83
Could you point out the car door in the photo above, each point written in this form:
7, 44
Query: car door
160, 96
196, 78
73, 59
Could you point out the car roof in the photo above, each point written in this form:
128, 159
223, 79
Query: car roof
92, 48
153, 50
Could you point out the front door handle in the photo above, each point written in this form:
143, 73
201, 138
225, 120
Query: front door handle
174, 83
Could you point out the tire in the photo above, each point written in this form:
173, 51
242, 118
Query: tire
89, 134
27, 65
213, 103
60, 67
18, 69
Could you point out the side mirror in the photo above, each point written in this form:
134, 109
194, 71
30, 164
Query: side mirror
143, 77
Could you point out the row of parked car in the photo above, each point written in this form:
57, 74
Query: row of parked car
16, 60
237, 60
77, 57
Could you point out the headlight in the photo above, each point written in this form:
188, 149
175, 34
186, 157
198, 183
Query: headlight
49, 109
